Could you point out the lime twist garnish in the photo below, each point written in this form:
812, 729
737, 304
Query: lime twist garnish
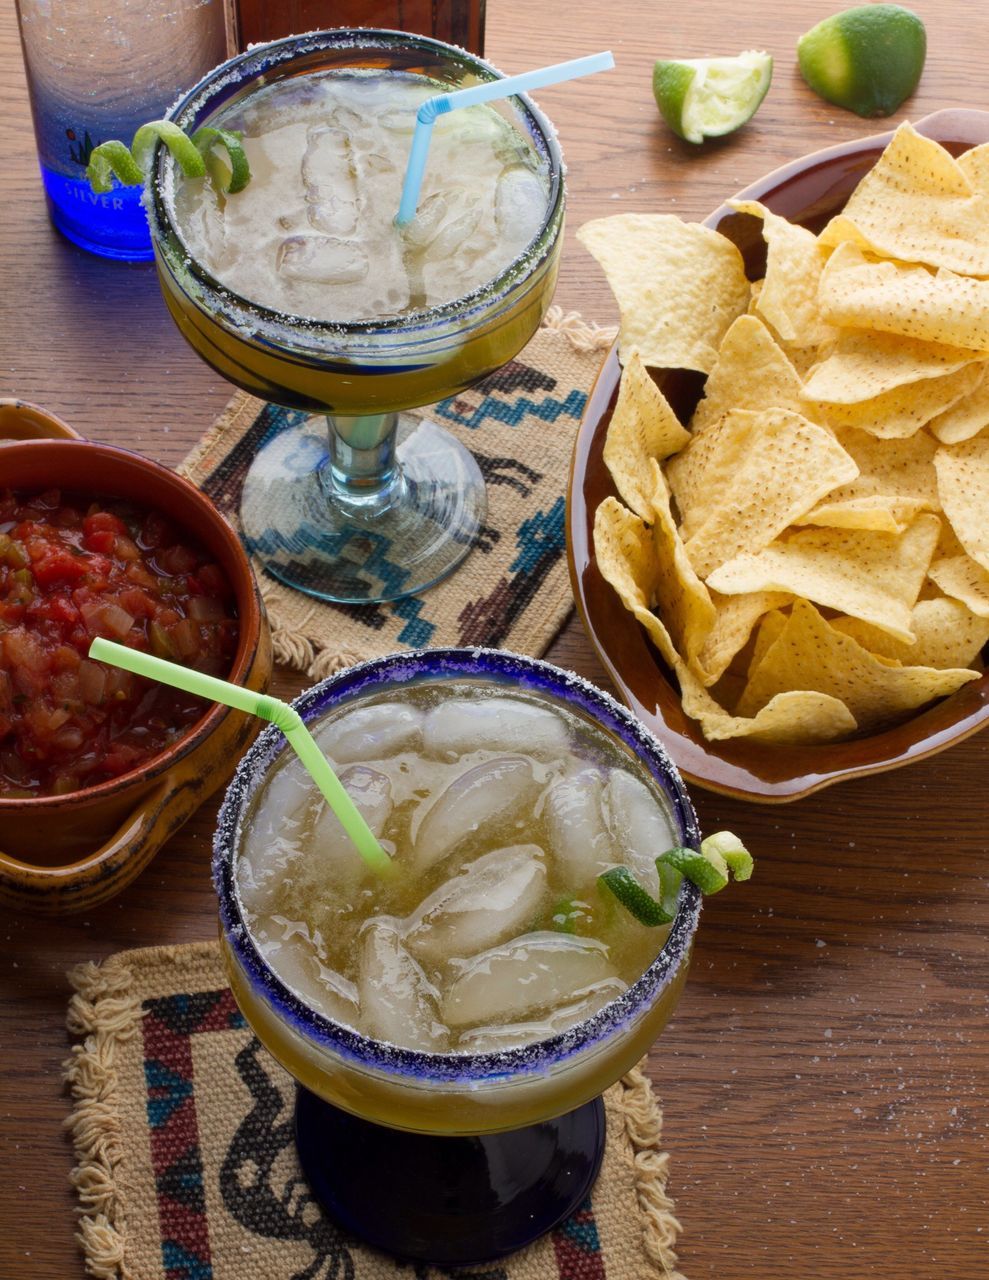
195, 156
708, 868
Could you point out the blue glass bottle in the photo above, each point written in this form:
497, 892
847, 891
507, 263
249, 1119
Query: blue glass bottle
98, 69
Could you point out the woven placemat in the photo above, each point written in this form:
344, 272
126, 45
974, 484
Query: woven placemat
513, 590
186, 1166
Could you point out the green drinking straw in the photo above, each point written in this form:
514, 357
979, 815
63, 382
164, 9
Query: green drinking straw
486, 92
268, 708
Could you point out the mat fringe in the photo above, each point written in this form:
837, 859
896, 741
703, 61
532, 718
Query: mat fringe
643, 1130
584, 335
105, 1014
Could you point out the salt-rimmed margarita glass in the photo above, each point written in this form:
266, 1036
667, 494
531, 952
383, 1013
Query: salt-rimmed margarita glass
495, 1148
390, 504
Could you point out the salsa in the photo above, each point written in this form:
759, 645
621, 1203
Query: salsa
73, 567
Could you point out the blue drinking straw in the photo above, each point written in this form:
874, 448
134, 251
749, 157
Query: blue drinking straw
487, 92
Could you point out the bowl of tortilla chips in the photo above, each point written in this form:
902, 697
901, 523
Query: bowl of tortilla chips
778, 513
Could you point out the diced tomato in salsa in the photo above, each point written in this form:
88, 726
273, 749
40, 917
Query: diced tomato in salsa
71, 568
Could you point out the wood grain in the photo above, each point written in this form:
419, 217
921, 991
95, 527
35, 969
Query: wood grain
824, 1080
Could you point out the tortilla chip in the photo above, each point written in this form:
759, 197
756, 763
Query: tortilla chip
864, 365
917, 204
871, 576
900, 413
946, 308
963, 487
704, 469
681, 599
752, 372
767, 633
795, 717
648, 569
678, 286
643, 426
810, 654
794, 261
966, 417
948, 635
734, 620
974, 164
896, 481
784, 470
804, 359
626, 557
962, 579
877, 513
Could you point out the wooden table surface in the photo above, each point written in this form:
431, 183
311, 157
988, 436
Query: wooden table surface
824, 1079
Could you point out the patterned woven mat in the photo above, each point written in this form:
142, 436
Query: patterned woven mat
513, 590
187, 1170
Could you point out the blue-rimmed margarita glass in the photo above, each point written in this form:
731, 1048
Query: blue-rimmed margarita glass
389, 504
492, 1149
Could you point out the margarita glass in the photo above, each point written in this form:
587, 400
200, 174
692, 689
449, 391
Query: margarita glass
505, 1144
389, 504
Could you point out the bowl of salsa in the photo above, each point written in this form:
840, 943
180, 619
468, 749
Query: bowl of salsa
99, 767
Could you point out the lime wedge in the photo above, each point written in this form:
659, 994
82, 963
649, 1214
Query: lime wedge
709, 97
867, 60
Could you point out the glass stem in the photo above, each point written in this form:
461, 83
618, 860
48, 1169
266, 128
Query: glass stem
364, 475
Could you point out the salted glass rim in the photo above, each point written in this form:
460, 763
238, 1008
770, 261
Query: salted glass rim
258, 60
456, 1067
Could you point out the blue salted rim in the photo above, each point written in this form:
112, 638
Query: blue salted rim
455, 1068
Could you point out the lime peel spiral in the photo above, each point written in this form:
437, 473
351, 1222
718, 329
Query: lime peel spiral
216, 152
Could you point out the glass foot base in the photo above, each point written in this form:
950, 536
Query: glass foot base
448, 1201
305, 538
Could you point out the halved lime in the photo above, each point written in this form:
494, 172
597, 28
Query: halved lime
867, 59
709, 97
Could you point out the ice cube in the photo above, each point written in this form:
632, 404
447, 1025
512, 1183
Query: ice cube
370, 164
470, 128
398, 121
479, 802
398, 1003
429, 217
507, 1035
295, 958
465, 215
371, 733
520, 205
641, 827
321, 260
491, 899
578, 837
261, 870
499, 724
535, 972
271, 832
371, 793
330, 180
283, 804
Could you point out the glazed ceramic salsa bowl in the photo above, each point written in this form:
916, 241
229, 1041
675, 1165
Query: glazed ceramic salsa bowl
71, 852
